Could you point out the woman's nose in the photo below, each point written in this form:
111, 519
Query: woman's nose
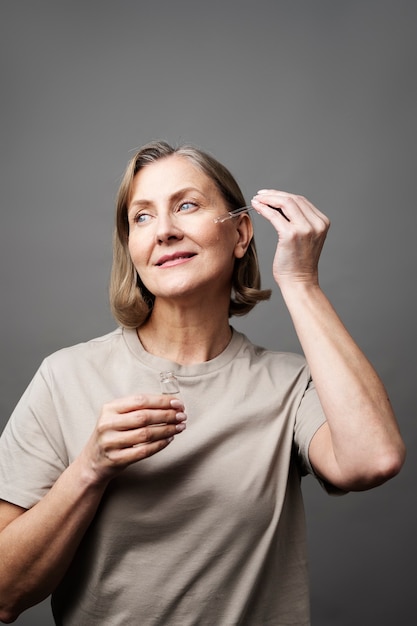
167, 228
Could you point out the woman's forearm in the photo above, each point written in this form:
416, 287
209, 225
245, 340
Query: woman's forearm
37, 547
365, 440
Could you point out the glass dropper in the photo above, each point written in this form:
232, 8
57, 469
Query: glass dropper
230, 214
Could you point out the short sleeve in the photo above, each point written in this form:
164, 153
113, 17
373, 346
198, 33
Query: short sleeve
310, 416
32, 451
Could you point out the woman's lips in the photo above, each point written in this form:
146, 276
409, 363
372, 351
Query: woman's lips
177, 258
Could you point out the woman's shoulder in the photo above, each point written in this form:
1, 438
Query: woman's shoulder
263, 352
95, 349
265, 357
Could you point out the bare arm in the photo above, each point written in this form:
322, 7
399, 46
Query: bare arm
37, 545
360, 445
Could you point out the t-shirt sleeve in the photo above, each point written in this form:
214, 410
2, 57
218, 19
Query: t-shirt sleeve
32, 451
310, 416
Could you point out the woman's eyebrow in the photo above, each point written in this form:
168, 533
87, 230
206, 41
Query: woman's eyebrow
181, 192
144, 203
136, 203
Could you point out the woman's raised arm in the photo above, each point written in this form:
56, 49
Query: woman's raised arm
360, 445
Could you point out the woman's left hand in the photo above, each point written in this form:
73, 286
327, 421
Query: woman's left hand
301, 229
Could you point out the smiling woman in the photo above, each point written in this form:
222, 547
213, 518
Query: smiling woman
210, 192
129, 505
180, 255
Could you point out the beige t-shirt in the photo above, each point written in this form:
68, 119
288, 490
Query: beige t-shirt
208, 532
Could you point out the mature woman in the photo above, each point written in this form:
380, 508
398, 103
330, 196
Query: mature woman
109, 501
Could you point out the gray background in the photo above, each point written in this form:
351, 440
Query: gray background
315, 97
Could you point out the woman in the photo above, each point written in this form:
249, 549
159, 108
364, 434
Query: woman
128, 509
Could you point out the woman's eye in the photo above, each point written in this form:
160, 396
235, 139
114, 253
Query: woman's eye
141, 218
186, 207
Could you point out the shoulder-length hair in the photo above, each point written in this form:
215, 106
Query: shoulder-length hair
131, 302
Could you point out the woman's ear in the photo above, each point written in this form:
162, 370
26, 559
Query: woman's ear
244, 231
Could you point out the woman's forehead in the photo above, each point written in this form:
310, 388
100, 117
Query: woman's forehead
169, 175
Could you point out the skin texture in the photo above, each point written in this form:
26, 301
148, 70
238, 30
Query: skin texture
185, 259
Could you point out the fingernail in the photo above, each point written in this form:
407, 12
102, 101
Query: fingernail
180, 427
181, 417
176, 404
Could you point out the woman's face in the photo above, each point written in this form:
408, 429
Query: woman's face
175, 246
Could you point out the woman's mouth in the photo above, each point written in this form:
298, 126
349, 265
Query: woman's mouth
169, 260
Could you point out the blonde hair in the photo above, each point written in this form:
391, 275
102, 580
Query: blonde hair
130, 300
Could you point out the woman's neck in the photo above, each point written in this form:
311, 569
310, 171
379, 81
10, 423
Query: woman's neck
184, 337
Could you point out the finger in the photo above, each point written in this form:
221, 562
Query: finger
143, 452
273, 196
280, 210
134, 420
112, 441
302, 216
149, 417
149, 434
144, 401
143, 407
126, 456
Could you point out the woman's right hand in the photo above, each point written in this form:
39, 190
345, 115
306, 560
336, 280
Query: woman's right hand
38, 545
131, 429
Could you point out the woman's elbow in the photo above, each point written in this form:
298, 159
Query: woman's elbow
10, 609
392, 462
7, 616
383, 468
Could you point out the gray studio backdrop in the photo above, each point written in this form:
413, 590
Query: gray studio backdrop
314, 97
